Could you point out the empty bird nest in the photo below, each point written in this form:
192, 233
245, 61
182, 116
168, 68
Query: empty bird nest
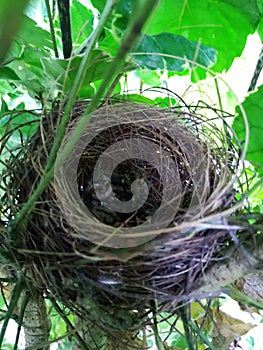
131, 214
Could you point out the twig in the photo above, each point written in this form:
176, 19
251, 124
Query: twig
257, 72
182, 312
13, 302
154, 326
70, 326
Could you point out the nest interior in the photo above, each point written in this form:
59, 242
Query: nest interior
55, 256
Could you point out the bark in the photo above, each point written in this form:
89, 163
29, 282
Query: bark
65, 25
239, 263
36, 322
251, 286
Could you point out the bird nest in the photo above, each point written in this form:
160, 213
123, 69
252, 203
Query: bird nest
132, 211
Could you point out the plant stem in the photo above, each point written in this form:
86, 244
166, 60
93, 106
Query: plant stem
138, 19
257, 72
134, 30
202, 336
77, 84
49, 168
52, 31
69, 325
13, 302
218, 94
65, 26
239, 296
183, 312
158, 340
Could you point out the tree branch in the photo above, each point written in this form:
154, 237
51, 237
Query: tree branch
238, 263
65, 25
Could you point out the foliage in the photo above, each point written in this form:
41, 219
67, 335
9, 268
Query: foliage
184, 37
212, 23
253, 108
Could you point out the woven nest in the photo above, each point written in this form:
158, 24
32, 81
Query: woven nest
70, 254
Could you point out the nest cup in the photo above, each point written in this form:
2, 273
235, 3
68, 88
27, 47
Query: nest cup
123, 217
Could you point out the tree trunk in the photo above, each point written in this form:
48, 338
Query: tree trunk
36, 321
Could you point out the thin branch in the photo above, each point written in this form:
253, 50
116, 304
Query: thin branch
52, 30
70, 326
154, 326
65, 25
257, 72
182, 312
18, 288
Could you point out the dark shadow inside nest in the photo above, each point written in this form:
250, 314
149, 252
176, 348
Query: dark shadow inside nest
127, 172
121, 181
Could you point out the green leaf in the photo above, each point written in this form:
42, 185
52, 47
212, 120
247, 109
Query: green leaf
166, 102
8, 74
149, 77
164, 51
11, 16
5, 87
30, 71
180, 342
215, 23
31, 59
254, 110
4, 109
14, 52
136, 99
260, 29
63, 72
223, 25
31, 34
81, 22
108, 43
250, 9
260, 25
99, 4
122, 12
